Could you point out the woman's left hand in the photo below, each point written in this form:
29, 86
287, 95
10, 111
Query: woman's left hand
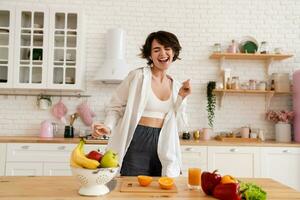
185, 89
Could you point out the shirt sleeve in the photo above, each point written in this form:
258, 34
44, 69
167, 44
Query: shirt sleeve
180, 110
116, 108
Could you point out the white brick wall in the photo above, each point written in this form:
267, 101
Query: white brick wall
198, 24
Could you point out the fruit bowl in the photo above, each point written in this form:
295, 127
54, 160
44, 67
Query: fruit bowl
93, 180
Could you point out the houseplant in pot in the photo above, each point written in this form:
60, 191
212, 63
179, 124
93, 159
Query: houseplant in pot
211, 102
283, 121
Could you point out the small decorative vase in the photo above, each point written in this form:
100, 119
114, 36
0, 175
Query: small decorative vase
283, 132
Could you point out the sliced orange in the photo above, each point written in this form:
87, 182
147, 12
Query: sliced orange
166, 183
144, 180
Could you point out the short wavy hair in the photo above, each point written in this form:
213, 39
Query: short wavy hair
164, 38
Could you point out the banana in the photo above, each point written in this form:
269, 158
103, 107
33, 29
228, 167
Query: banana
81, 160
72, 162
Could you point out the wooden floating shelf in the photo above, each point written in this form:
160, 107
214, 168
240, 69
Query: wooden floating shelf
251, 92
248, 56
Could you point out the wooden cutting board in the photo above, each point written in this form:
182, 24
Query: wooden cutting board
134, 186
237, 139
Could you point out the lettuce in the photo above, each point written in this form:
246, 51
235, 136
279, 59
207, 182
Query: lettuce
250, 191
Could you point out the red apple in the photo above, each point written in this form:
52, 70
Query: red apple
95, 155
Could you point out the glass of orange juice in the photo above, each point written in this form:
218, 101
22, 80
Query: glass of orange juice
194, 178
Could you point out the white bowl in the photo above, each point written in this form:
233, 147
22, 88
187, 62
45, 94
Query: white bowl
93, 181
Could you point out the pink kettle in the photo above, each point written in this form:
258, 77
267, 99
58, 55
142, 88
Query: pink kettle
48, 129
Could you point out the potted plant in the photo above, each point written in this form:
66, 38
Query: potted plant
211, 102
283, 121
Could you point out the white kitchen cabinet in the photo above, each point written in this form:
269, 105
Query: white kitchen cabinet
24, 169
237, 161
57, 169
193, 156
2, 158
66, 44
7, 19
41, 159
42, 47
282, 164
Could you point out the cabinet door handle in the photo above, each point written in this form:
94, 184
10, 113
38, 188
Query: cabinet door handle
61, 147
286, 151
25, 147
233, 150
189, 149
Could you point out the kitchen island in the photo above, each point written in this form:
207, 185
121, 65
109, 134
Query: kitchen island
60, 188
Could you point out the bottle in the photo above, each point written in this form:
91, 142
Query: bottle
272, 87
228, 84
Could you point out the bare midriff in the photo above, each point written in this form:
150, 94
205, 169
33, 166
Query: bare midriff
151, 122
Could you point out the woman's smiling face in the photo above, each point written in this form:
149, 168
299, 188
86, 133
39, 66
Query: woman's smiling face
161, 56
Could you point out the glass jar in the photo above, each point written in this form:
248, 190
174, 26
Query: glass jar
235, 83
252, 84
264, 47
217, 48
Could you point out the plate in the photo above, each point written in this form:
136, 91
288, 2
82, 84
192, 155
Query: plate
248, 44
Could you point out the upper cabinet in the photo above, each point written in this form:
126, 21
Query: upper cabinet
46, 52
6, 46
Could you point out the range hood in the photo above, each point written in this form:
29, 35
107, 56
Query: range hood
114, 69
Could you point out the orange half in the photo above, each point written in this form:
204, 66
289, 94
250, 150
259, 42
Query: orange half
166, 183
144, 180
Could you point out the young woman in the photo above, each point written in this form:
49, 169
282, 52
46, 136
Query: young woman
147, 111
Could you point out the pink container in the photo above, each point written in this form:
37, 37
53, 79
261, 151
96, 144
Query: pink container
46, 130
296, 104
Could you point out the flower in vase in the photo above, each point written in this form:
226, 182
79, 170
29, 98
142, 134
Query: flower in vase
280, 116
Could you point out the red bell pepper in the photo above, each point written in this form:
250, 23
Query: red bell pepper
209, 181
228, 191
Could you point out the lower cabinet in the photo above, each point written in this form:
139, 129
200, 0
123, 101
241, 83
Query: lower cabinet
236, 161
32, 159
2, 158
193, 156
282, 164
24, 169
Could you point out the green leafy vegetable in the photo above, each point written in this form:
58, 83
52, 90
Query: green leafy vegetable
250, 191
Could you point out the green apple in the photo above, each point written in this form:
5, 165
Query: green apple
109, 159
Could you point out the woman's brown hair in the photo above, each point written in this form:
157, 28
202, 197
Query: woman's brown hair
164, 38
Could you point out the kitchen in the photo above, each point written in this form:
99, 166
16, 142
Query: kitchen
198, 25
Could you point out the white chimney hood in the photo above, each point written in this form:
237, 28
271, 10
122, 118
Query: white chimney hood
114, 69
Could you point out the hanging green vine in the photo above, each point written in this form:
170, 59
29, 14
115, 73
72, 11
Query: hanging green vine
211, 102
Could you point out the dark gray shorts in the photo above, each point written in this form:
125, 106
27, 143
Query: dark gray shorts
141, 157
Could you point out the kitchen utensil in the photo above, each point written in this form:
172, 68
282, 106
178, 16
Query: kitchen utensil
93, 184
73, 117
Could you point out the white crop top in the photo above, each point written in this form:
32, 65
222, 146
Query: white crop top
156, 108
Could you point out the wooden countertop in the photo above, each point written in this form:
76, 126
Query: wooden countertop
61, 188
36, 139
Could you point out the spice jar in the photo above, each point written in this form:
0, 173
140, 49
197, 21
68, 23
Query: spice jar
235, 83
264, 47
252, 84
262, 85
217, 48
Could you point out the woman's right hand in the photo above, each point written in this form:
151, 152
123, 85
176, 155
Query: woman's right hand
99, 129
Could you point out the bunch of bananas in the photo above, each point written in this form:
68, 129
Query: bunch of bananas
79, 160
